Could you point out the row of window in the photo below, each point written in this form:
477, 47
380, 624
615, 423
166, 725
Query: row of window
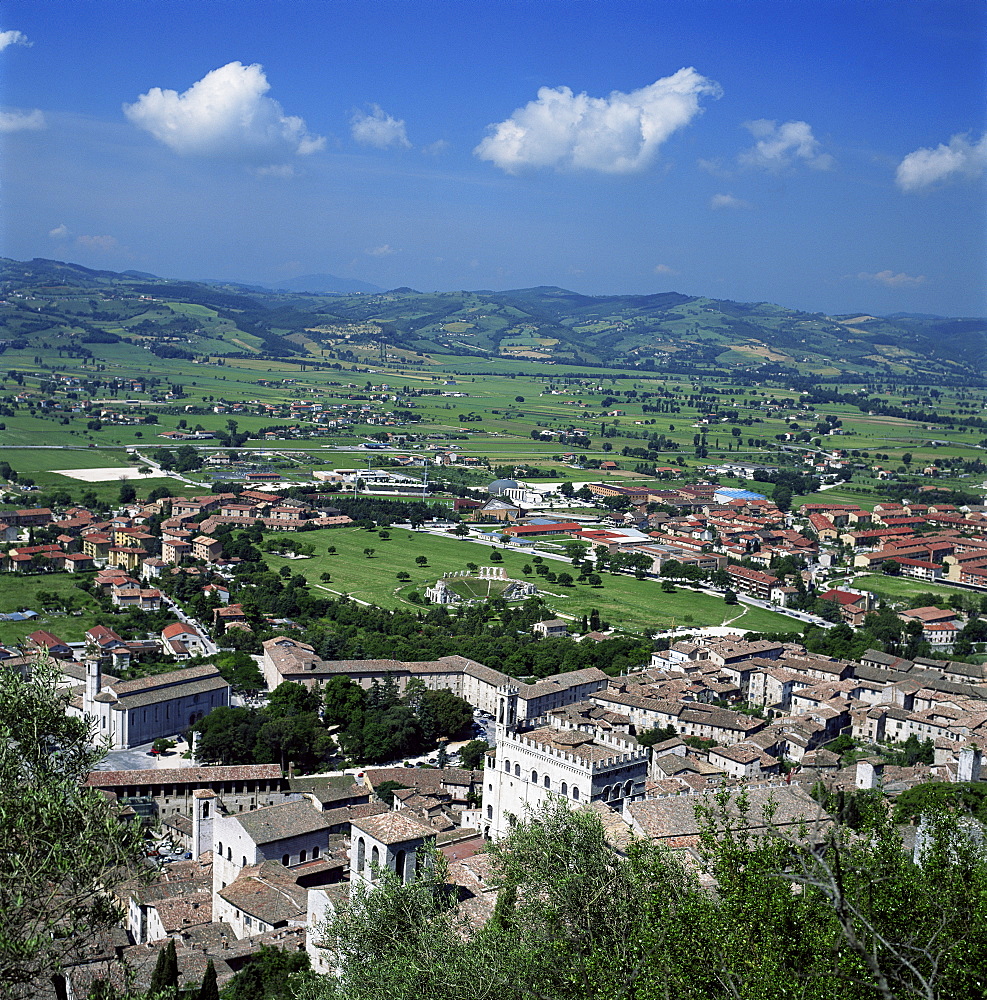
285, 858
361, 859
546, 780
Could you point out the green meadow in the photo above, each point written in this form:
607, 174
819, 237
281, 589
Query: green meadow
636, 605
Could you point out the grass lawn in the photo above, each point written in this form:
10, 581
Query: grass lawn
898, 588
19, 593
637, 605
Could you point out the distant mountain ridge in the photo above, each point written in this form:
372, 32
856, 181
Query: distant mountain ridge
666, 331
324, 284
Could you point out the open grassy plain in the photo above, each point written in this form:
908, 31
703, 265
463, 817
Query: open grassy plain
637, 605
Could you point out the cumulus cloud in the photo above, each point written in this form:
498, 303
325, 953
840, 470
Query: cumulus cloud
728, 201
664, 269
379, 129
101, 243
926, 166
21, 121
892, 280
13, 38
382, 251
59, 232
619, 134
782, 146
226, 113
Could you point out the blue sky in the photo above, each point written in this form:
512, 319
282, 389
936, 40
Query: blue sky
823, 155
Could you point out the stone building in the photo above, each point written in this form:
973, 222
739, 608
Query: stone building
533, 764
131, 713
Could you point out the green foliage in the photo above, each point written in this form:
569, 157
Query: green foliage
471, 754
271, 975
61, 847
936, 797
649, 737
386, 789
815, 912
164, 979
241, 672
209, 990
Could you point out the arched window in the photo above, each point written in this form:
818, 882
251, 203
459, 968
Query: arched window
615, 794
605, 794
489, 812
507, 766
205, 810
548, 781
534, 777
285, 860
628, 786
399, 865
303, 857
220, 848
229, 853
575, 793
243, 861
361, 855
517, 770
375, 857
565, 788
315, 851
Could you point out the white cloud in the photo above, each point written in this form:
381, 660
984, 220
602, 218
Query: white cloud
377, 128
226, 113
382, 251
728, 201
59, 232
435, 148
714, 167
21, 121
275, 170
926, 166
892, 280
664, 269
13, 38
618, 134
781, 146
101, 243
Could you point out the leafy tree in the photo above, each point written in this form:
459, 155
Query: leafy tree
649, 737
343, 701
471, 755
817, 912
421, 560
291, 698
228, 736
62, 849
241, 672
386, 789
270, 975
443, 714
729, 597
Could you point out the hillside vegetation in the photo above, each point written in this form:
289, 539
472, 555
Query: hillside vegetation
69, 308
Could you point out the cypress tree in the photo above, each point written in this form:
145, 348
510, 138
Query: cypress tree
209, 990
159, 976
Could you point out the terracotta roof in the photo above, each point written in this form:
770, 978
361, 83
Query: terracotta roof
393, 828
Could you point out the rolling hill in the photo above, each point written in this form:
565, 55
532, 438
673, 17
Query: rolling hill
69, 306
